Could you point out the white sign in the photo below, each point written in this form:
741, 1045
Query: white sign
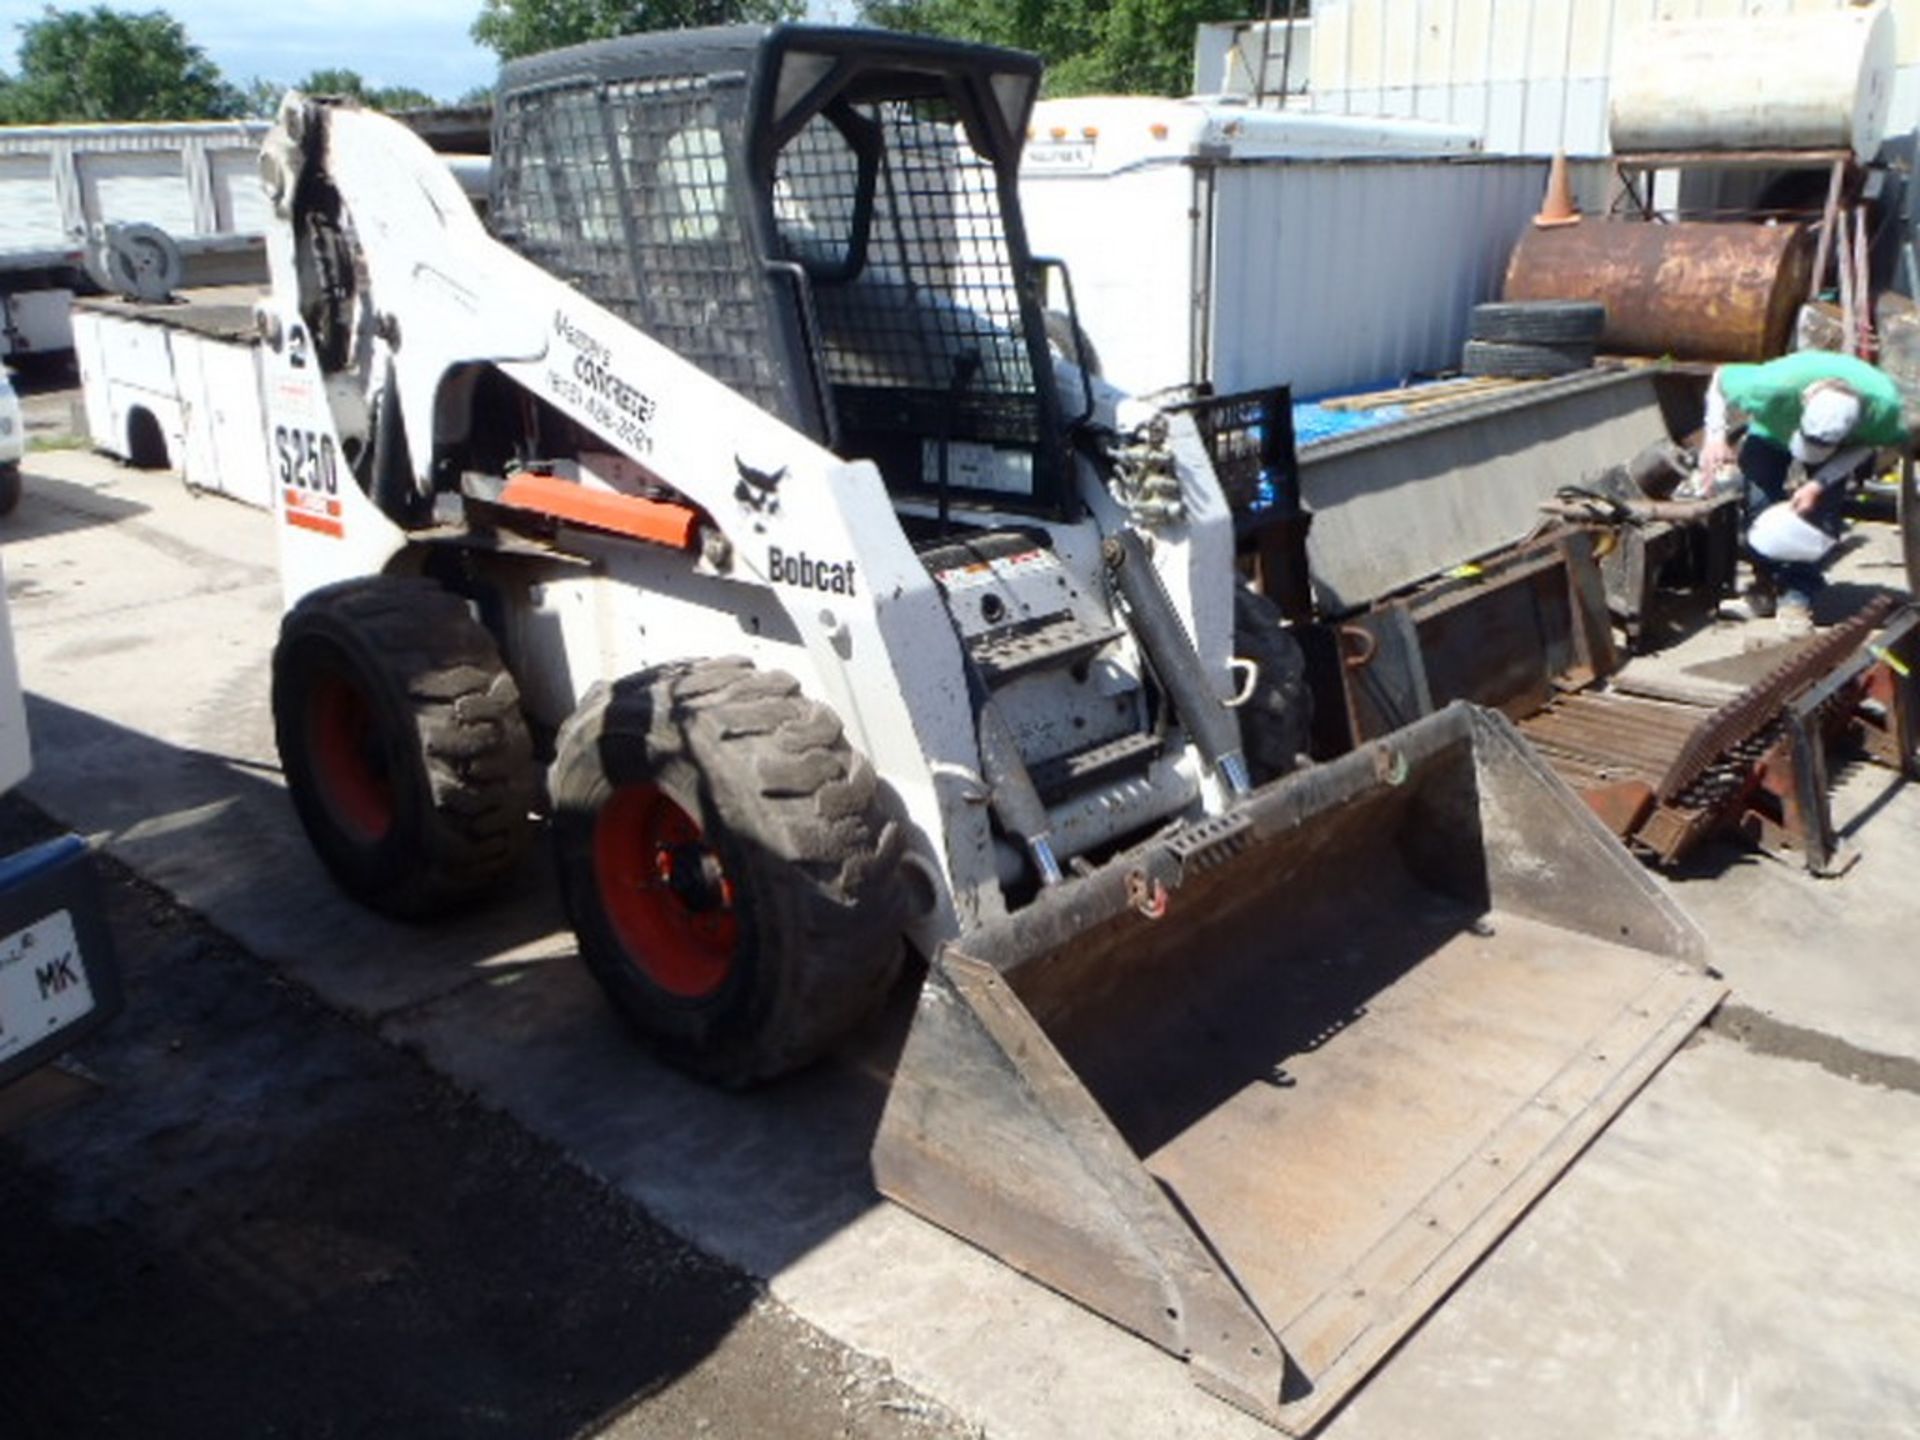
972, 466
43, 983
1058, 155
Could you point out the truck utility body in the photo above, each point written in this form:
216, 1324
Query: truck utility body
178, 384
728, 470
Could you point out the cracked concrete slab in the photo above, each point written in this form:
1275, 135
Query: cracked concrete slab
1734, 1257
1658, 1290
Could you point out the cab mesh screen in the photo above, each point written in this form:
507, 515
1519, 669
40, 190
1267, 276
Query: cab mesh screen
926, 332
627, 191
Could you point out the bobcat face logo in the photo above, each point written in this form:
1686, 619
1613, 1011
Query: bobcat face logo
758, 490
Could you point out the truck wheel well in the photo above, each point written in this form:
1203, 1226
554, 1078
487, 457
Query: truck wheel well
146, 442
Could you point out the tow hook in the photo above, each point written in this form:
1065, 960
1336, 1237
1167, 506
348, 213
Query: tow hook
1146, 894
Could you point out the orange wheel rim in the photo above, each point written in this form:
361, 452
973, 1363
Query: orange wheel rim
667, 893
349, 762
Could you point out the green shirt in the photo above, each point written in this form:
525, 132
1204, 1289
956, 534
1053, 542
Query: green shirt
1769, 395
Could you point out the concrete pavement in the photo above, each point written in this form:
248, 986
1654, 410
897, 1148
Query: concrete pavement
1733, 1257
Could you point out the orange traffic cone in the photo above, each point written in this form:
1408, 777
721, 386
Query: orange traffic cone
1558, 209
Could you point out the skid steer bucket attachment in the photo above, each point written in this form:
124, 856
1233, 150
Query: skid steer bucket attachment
1263, 1090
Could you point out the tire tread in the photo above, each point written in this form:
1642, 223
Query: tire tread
1537, 322
1513, 361
474, 744
804, 800
1276, 720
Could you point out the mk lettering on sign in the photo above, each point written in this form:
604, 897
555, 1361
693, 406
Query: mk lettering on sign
56, 976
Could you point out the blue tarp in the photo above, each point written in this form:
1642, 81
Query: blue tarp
1313, 422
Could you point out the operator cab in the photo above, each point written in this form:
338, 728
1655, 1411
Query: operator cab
824, 219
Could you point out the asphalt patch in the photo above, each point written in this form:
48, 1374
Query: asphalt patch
246, 1215
1764, 1035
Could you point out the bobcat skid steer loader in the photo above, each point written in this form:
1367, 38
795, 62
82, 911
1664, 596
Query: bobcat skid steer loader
726, 467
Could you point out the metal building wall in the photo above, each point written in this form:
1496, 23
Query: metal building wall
162, 173
1531, 74
30, 217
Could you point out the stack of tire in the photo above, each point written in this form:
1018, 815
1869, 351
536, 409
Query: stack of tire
1532, 339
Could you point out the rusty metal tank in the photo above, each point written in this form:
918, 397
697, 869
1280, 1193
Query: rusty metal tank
1691, 290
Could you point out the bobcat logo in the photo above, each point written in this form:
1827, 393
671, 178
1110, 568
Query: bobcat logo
758, 490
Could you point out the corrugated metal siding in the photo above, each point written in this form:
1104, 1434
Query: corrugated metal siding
29, 209
240, 201
162, 174
45, 139
1333, 276
137, 185
1531, 74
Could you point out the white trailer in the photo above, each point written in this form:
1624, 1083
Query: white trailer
1214, 243
198, 181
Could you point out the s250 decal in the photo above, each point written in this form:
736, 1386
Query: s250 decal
309, 474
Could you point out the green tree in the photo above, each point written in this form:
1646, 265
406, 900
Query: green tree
336, 81
525, 27
101, 64
1113, 46
260, 97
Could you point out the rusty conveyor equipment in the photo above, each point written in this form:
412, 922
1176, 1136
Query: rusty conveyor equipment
1664, 775
1666, 564
1525, 632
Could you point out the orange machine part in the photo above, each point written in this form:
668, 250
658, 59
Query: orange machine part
659, 522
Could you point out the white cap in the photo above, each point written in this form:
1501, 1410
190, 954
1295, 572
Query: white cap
1827, 419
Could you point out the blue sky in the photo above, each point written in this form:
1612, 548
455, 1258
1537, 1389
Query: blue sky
422, 43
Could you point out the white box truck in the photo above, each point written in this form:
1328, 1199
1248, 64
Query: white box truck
1213, 243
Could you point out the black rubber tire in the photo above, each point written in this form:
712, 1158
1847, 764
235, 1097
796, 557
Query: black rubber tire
1071, 341
441, 735
1524, 362
10, 487
1276, 722
1538, 322
800, 830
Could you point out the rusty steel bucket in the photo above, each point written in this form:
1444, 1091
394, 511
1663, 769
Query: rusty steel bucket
1691, 290
1263, 1091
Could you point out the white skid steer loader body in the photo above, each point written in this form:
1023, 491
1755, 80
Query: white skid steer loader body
820, 582
1263, 1083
